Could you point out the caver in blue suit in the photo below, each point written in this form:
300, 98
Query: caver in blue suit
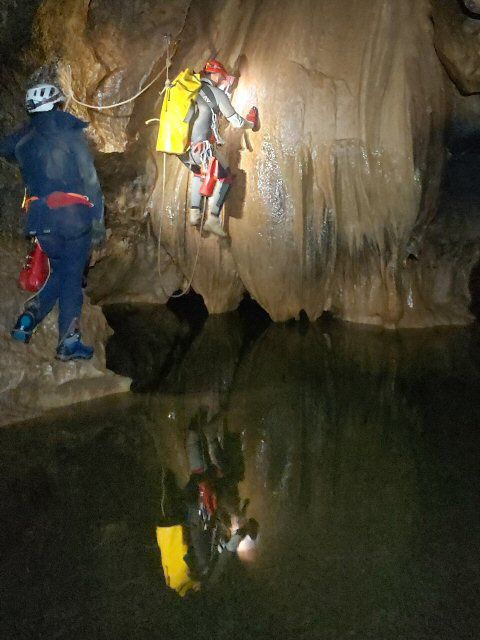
53, 156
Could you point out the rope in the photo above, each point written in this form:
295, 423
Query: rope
189, 283
71, 96
164, 176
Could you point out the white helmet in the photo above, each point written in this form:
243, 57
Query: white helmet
42, 97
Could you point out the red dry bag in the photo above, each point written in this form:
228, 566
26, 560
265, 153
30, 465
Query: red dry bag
210, 178
35, 271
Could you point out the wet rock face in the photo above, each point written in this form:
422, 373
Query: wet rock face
336, 190
346, 166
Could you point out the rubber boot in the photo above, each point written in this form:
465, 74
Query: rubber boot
72, 348
195, 216
213, 225
24, 327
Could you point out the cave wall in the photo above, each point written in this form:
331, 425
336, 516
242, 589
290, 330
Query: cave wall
16, 23
340, 186
346, 167
31, 380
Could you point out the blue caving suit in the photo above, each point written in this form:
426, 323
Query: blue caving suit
53, 155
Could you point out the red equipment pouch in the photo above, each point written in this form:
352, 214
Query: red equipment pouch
253, 117
208, 497
210, 179
59, 199
35, 271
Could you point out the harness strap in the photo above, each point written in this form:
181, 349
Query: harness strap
58, 199
28, 201
209, 97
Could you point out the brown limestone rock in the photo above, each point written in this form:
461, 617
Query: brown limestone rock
114, 48
472, 5
135, 270
345, 167
457, 38
342, 181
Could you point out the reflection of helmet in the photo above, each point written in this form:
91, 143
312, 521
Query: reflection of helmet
43, 97
214, 66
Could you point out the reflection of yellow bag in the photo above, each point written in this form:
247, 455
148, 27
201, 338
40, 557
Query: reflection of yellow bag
173, 549
177, 111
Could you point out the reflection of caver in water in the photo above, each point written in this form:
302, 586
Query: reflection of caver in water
211, 175
212, 507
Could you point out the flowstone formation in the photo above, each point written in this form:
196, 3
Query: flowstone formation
345, 171
337, 203
340, 186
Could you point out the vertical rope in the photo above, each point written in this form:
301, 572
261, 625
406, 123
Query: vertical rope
164, 177
168, 64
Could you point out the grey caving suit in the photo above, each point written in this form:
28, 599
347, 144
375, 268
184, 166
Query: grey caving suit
211, 101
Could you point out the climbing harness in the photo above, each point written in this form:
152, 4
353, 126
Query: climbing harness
58, 199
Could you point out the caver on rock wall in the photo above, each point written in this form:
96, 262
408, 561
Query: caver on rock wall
345, 170
340, 184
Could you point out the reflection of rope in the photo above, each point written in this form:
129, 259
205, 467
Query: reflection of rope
71, 96
162, 212
162, 502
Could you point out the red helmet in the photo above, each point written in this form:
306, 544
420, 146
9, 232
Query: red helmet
214, 66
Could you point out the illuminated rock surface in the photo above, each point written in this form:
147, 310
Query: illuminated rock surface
338, 203
346, 165
340, 184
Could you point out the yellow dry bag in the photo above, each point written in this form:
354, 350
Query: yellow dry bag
173, 549
177, 111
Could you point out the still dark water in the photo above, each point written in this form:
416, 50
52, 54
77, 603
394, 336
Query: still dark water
360, 458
